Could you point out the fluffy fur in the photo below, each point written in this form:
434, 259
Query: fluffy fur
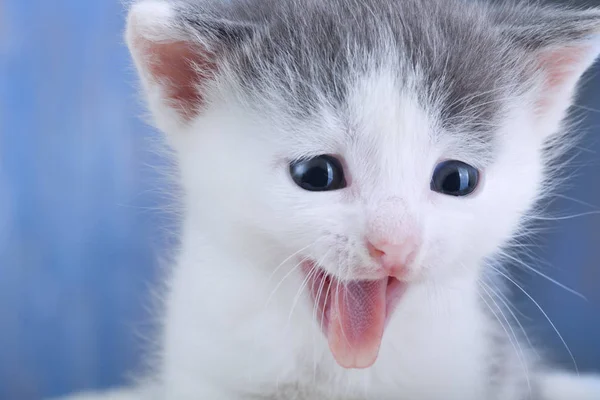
242, 87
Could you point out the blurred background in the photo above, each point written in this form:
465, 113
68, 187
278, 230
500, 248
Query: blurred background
82, 226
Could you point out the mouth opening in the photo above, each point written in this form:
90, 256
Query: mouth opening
353, 313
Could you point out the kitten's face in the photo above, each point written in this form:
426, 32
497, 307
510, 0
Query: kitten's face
388, 146
370, 145
246, 91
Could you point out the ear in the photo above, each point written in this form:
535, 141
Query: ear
178, 52
561, 46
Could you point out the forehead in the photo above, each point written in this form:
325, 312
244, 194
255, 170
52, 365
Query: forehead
383, 123
446, 62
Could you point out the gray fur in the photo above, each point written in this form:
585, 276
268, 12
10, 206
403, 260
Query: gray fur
467, 55
466, 60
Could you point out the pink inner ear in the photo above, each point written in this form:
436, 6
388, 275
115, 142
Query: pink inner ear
179, 68
563, 64
562, 68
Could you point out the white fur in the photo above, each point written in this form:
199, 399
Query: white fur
437, 333
560, 386
237, 322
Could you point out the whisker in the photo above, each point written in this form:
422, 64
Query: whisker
542, 311
586, 108
314, 270
511, 336
283, 279
291, 256
315, 308
507, 305
566, 217
574, 200
290, 271
344, 299
325, 302
557, 283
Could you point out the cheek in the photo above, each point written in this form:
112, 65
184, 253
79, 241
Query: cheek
322, 228
464, 231
302, 217
511, 190
449, 240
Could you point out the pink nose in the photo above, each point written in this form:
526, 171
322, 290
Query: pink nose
394, 258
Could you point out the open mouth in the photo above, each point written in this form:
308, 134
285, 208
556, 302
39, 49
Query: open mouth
353, 314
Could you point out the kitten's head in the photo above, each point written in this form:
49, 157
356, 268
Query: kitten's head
405, 138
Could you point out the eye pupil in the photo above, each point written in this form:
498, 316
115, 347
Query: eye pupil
452, 182
454, 178
318, 174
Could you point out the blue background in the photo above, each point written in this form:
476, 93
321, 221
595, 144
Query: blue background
82, 226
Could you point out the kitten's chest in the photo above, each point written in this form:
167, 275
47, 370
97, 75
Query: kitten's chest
425, 364
430, 389
294, 392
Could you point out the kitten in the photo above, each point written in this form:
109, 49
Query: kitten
351, 168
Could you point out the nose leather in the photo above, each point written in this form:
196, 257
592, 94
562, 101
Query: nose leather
394, 258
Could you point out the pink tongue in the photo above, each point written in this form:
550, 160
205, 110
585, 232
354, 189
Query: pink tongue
356, 322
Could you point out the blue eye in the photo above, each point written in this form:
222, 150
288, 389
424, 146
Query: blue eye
318, 174
454, 178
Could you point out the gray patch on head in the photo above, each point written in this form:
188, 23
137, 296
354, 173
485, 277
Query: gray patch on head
464, 59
